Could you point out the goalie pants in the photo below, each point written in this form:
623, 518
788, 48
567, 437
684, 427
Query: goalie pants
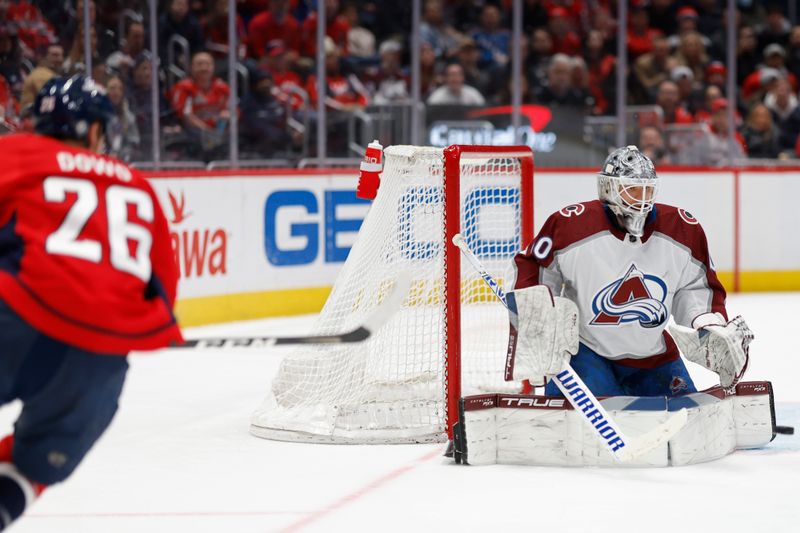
69, 397
605, 377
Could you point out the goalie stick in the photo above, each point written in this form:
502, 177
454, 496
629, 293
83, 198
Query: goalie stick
622, 447
376, 319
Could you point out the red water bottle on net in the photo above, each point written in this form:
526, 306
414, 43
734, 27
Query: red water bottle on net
369, 178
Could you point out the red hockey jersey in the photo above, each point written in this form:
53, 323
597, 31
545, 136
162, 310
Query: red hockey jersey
85, 254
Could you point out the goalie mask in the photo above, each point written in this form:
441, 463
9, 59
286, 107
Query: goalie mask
628, 184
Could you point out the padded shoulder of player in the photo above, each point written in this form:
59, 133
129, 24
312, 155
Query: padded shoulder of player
576, 222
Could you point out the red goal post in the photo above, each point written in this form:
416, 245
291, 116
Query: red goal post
453, 155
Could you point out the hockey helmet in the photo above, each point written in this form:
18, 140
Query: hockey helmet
66, 107
628, 184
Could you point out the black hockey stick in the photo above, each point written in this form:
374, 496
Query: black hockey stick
377, 318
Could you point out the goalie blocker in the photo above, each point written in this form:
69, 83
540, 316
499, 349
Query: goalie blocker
541, 430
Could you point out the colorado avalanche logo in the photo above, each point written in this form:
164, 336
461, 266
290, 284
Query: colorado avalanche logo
636, 297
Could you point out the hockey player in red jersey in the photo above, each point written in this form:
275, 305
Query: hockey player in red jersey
87, 274
628, 264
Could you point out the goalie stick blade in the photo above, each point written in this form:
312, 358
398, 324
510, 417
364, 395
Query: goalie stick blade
372, 323
644, 443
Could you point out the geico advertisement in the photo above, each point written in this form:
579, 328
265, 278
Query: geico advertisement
246, 234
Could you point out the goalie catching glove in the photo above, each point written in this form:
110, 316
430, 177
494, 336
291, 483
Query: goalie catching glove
543, 334
722, 348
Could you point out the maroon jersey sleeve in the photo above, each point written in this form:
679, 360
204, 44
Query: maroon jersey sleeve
84, 249
700, 291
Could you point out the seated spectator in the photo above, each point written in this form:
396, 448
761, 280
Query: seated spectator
559, 90
793, 52
215, 31
652, 68
716, 74
669, 99
343, 92
34, 31
759, 83
201, 105
492, 39
177, 20
431, 71
284, 79
122, 60
747, 55
263, 127
140, 101
51, 61
11, 58
274, 24
455, 91
360, 40
122, 132
640, 34
651, 143
775, 57
469, 57
435, 31
688, 21
761, 137
74, 62
565, 40
719, 150
336, 27
689, 92
703, 114
602, 66
783, 104
390, 84
692, 53
775, 30
539, 58
663, 15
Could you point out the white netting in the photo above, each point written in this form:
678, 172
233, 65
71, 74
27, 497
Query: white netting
393, 387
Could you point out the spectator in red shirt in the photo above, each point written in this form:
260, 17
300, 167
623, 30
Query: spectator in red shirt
201, 104
337, 29
274, 24
640, 34
668, 98
344, 93
565, 40
215, 30
711, 94
285, 80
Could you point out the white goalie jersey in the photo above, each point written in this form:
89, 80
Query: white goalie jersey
626, 287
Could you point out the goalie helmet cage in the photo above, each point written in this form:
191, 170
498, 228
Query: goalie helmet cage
403, 384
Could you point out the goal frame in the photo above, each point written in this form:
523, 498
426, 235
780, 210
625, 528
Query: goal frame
453, 155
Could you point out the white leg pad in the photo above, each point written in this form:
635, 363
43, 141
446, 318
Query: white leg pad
536, 430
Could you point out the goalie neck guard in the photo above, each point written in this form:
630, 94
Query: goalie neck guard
628, 184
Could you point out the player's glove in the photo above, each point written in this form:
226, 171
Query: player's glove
722, 348
543, 334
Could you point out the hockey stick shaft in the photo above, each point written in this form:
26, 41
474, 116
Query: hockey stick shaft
374, 321
581, 397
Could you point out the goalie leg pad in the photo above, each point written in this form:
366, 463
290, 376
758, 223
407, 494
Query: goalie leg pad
540, 430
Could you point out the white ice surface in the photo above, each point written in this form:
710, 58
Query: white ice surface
178, 457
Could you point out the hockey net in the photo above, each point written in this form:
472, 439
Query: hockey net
450, 336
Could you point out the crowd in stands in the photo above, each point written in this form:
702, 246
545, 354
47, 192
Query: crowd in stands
676, 49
